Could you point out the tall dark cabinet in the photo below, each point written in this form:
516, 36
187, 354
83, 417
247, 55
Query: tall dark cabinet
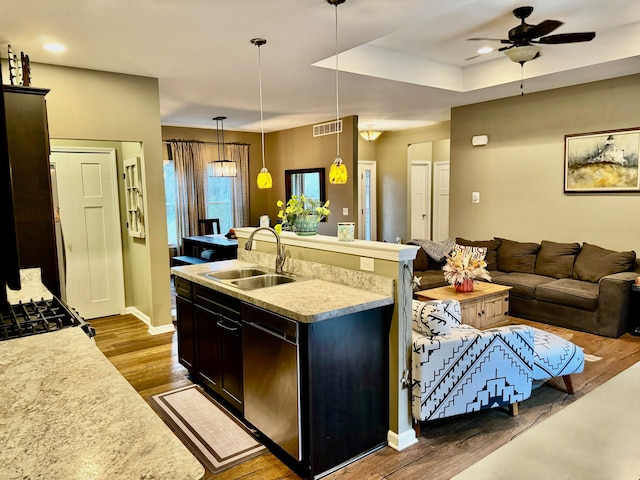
28, 138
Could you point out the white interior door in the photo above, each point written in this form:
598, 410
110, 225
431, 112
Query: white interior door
90, 219
440, 201
367, 227
421, 200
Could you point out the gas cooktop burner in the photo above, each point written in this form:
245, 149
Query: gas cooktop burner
34, 317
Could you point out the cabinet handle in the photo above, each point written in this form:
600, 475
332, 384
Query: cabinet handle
222, 325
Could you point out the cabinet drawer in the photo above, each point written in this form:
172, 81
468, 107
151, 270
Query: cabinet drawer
217, 302
184, 287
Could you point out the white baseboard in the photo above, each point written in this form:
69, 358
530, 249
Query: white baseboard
145, 318
400, 441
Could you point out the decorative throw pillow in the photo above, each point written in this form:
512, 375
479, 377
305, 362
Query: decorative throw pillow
595, 262
476, 253
492, 250
517, 256
435, 317
556, 259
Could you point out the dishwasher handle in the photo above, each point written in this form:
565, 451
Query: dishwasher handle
271, 330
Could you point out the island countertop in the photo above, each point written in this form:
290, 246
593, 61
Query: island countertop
307, 300
66, 413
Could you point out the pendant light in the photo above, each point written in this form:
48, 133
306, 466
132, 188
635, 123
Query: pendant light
264, 177
222, 167
338, 170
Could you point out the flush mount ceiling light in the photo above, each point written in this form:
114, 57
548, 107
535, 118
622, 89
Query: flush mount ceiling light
222, 167
54, 47
338, 170
370, 135
264, 177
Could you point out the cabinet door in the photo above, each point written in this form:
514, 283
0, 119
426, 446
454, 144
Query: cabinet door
208, 347
185, 332
471, 312
231, 361
495, 310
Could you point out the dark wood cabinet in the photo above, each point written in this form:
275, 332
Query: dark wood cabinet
218, 344
342, 387
28, 138
185, 325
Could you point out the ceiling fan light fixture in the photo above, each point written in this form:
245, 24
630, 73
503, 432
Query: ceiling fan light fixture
522, 54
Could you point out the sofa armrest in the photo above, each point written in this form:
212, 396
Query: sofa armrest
470, 370
614, 303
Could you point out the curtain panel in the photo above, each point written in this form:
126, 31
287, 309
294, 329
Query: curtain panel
190, 174
239, 153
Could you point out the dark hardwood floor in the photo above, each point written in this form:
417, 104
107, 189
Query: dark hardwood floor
446, 447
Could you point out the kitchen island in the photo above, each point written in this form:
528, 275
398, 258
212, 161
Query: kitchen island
305, 361
66, 413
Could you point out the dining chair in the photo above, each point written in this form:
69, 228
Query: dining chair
206, 226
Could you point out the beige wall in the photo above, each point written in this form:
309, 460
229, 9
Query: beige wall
390, 153
298, 148
519, 174
99, 106
288, 149
256, 195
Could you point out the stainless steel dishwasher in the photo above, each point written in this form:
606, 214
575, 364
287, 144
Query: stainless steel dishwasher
271, 377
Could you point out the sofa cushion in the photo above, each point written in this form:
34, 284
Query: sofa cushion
595, 262
570, 292
435, 317
556, 259
421, 262
517, 256
492, 250
523, 284
430, 279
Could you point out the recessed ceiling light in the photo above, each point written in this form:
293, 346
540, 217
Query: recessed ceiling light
484, 50
54, 47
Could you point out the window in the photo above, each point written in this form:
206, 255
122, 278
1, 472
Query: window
220, 201
219, 197
170, 201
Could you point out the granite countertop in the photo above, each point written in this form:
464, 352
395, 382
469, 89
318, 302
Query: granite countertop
66, 413
306, 300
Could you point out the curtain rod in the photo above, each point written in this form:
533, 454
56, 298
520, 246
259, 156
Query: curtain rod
167, 142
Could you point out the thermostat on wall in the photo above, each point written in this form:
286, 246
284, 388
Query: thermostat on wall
479, 140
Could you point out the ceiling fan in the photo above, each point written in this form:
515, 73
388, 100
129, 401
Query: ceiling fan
524, 39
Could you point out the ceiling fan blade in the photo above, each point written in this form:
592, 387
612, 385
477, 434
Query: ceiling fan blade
543, 28
567, 38
501, 40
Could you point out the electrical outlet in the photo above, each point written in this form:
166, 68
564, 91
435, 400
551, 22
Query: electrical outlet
475, 197
367, 264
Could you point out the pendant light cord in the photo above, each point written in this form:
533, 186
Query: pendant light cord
337, 91
261, 114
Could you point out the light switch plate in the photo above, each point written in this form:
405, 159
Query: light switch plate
345, 211
367, 264
475, 197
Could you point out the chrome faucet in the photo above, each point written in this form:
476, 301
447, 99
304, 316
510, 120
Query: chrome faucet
280, 255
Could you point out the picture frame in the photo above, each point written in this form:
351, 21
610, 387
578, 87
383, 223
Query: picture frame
600, 162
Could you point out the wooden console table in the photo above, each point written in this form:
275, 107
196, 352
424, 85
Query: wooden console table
487, 306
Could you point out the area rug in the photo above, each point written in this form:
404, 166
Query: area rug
211, 432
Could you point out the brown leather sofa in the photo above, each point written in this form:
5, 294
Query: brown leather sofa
582, 287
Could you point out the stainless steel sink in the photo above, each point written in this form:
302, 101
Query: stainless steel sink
261, 281
235, 273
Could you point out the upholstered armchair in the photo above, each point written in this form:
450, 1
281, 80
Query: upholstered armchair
458, 369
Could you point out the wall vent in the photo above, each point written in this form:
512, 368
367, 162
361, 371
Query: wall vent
327, 128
